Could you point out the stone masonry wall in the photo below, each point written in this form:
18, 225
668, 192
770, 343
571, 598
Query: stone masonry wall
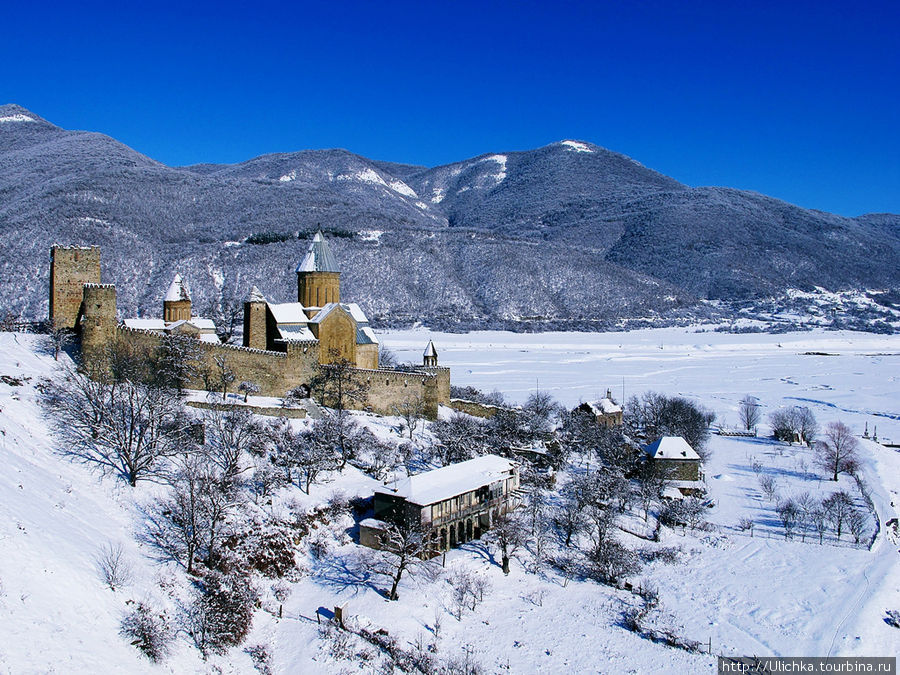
71, 267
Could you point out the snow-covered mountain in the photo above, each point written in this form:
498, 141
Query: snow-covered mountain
566, 235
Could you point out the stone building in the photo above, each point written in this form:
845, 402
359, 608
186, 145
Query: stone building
675, 457
284, 343
178, 317
607, 412
452, 505
71, 267
341, 329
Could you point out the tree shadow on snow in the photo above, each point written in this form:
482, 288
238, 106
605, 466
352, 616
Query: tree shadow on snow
354, 571
481, 550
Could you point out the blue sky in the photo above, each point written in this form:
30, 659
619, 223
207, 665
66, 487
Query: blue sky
798, 100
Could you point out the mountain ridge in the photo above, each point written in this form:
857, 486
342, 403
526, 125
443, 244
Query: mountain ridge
566, 235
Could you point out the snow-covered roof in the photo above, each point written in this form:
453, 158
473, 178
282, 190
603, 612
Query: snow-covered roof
145, 324
255, 295
288, 312
319, 257
211, 338
355, 311
430, 350
178, 290
365, 336
296, 333
671, 447
374, 524
201, 324
324, 311
605, 406
450, 481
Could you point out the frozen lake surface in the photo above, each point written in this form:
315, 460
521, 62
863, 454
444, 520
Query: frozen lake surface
838, 374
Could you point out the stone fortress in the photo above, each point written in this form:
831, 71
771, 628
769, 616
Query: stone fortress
284, 343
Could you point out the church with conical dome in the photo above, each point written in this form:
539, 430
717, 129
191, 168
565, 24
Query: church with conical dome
341, 329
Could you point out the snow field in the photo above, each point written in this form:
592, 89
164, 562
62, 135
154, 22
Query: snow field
759, 595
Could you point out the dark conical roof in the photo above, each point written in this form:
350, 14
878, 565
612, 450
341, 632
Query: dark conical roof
319, 257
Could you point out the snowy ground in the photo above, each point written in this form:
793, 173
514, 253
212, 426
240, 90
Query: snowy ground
759, 595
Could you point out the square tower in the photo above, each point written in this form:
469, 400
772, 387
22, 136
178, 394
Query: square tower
71, 267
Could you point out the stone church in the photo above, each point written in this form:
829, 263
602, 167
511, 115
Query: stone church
341, 329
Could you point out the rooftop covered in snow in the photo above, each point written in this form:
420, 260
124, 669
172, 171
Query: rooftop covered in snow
605, 406
440, 484
319, 257
178, 290
671, 447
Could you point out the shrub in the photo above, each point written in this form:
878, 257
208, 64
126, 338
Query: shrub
146, 629
222, 612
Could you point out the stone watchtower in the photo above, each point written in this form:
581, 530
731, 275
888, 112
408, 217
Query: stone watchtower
177, 303
71, 267
318, 275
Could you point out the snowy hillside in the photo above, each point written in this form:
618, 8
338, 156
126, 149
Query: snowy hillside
742, 594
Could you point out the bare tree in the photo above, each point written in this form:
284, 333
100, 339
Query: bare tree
789, 513
387, 359
176, 362
837, 451
612, 560
651, 484
404, 550
191, 521
411, 409
819, 518
569, 514
58, 338
338, 385
806, 505
540, 412
227, 311
383, 456
693, 510
748, 412
793, 423
124, 428
225, 375
838, 506
113, 567
508, 534
247, 388
310, 452
769, 486
807, 426
460, 437
857, 523
229, 433
148, 629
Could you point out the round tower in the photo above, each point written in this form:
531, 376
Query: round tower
98, 322
255, 335
318, 275
177, 303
